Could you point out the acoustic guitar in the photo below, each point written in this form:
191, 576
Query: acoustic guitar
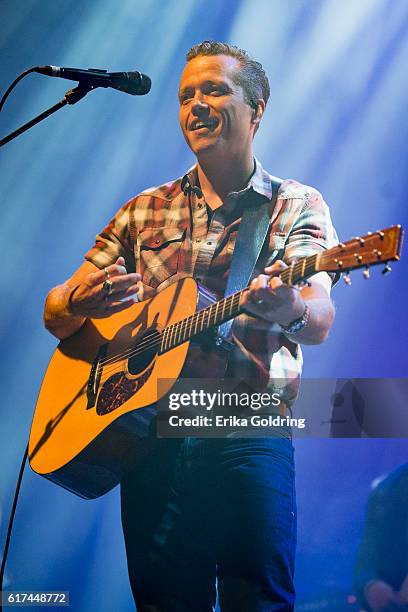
101, 385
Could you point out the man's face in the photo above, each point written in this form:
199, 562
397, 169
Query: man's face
214, 116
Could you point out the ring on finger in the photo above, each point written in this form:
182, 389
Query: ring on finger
106, 273
108, 286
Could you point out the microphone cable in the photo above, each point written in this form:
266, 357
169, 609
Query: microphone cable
14, 83
10, 524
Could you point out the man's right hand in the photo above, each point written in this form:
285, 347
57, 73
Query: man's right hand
88, 294
381, 597
91, 298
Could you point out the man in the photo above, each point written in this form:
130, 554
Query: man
381, 569
198, 509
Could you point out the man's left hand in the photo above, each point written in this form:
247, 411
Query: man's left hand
268, 297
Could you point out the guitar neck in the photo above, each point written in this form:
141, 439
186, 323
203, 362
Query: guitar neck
229, 307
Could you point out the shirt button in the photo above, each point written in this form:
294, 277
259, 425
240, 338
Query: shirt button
209, 243
157, 241
198, 239
200, 206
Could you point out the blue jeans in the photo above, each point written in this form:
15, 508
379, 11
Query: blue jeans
198, 510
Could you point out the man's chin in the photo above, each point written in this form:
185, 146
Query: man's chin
204, 147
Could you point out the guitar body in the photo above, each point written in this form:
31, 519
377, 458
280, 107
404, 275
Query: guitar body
93, 407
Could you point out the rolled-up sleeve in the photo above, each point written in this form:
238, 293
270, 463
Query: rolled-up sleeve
312, 230
114, 241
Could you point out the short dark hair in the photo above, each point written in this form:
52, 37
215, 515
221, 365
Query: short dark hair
251, 77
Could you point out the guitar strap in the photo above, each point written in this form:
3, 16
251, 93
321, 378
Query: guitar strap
252, 232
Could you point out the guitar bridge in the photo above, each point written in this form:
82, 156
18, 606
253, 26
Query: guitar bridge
95, 376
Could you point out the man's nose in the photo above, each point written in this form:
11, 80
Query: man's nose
199, 107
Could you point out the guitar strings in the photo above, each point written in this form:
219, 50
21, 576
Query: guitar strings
118, 366
176, 328
142, 347
147, 342
121, 357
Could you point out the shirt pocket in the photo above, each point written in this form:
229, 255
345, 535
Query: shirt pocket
269, 253
159, 253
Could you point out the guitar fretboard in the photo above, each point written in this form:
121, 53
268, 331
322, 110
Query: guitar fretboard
228, 307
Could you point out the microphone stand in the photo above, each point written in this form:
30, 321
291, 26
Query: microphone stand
72, 96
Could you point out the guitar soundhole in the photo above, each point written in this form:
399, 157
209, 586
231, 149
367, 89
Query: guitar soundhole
118, 388
145, 351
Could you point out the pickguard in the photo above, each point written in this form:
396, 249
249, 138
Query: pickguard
118, 389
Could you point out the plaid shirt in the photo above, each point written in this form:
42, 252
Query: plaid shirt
168, 232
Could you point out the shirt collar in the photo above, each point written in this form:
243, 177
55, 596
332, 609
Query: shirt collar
260, 182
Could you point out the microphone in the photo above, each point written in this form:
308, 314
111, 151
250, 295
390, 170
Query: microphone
134, 83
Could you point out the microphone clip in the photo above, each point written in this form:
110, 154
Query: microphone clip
188, 188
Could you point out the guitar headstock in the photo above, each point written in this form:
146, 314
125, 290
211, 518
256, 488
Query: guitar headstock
370, 250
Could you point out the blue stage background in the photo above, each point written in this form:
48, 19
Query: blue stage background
336, 120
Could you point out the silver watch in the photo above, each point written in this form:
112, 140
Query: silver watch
299, 323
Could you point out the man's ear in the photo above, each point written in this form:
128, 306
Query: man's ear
258, 112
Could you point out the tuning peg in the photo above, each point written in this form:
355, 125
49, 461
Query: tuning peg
366, 273
387, 269
347, 279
